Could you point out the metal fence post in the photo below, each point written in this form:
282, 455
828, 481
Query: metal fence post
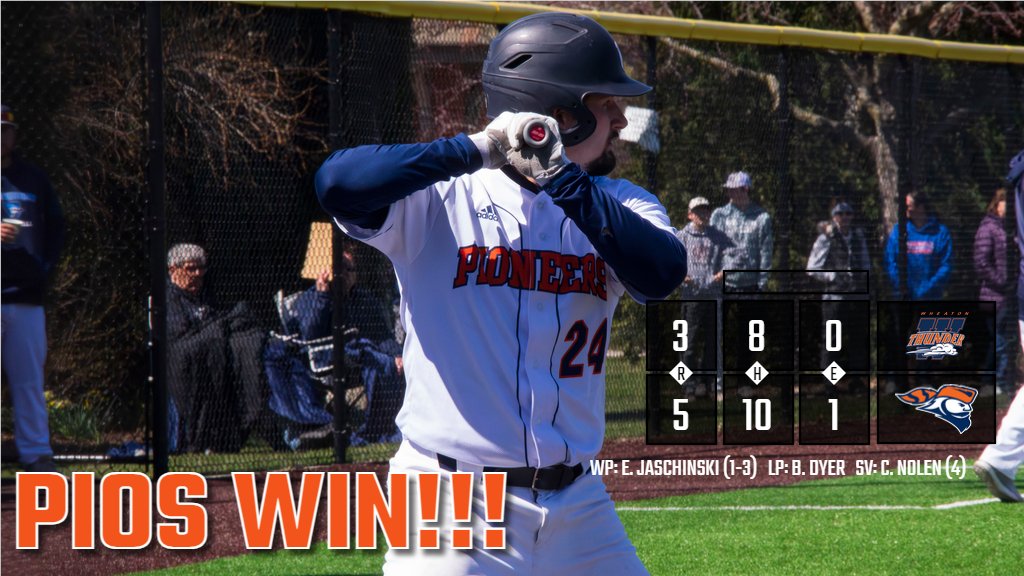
156, 228
338, 319
904, 127
651, 157
784, 209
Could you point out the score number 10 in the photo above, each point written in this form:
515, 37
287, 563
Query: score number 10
758, 410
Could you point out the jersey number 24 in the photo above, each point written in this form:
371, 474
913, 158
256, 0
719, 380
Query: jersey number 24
577, 336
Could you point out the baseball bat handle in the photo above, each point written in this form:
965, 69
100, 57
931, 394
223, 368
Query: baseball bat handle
536, 134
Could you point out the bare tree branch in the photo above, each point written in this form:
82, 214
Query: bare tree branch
771, 82
911, 15
956, 118
728, 67
867, 16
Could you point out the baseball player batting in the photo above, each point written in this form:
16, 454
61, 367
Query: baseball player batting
512, 248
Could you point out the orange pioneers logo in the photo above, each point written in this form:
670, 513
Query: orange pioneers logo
937, 336
126, 512
950, 403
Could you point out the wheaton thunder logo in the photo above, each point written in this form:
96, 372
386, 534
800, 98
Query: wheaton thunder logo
951, 402
937, 337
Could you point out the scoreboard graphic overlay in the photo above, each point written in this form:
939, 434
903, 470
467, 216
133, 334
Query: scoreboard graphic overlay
802, 367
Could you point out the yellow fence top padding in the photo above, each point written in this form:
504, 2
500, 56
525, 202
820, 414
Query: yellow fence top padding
686, 29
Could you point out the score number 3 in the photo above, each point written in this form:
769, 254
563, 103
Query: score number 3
682, 330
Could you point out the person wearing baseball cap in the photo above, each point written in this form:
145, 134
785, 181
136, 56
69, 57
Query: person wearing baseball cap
749, 227
32, 234
513, 246
840, 248
705, 248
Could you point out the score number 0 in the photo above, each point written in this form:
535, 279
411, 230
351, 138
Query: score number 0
834, 343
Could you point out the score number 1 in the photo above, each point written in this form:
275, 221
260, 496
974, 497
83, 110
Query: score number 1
834, 343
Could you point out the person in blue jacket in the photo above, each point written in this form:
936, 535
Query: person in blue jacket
33, 236
929, 252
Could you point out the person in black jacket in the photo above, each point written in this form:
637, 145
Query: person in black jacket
214, 365
32, 235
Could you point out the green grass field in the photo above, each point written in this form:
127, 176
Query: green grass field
853, 525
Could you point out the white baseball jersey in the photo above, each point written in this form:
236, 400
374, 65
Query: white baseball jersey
507, 308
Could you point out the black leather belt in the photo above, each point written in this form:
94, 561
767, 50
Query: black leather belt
553, 477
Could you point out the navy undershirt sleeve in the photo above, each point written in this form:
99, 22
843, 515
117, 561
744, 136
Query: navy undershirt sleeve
650, 260
356, 185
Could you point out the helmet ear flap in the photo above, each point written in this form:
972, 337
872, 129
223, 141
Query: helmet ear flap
585, 126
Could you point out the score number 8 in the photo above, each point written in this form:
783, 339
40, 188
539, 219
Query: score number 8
833, 335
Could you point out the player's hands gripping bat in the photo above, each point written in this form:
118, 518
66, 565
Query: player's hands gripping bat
529, 142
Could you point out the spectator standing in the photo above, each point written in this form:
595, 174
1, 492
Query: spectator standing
840, 248
749, 227
929, 252
32, 239
705, 249
997, 466
990, 269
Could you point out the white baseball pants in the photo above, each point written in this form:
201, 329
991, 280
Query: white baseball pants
564, 532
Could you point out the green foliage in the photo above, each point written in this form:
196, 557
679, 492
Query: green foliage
74, 422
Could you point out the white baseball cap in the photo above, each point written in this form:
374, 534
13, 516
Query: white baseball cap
699, 201
737, 180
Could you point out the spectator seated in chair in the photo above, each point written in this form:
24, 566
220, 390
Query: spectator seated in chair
299, 364
214, 374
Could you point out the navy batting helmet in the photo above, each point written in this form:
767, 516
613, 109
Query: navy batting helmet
553, 60
1016, 168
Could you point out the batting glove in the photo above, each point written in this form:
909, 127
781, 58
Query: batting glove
493, 142
536, 147
529, 142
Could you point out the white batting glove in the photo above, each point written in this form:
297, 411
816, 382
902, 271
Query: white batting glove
528, 141
537, 150
493, 142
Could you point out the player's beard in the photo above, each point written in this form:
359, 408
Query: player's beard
603, 165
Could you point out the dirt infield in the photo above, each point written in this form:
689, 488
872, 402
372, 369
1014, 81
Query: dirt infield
57, 557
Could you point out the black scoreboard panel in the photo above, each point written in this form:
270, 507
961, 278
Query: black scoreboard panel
681, 415
757, 414
843, 335
961, 410
918, 335
837, 413
802, 370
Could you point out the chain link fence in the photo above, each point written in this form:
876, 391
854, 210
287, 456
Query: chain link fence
73, 76
289, 352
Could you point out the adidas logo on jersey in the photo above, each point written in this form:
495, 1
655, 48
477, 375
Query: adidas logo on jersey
488, 213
